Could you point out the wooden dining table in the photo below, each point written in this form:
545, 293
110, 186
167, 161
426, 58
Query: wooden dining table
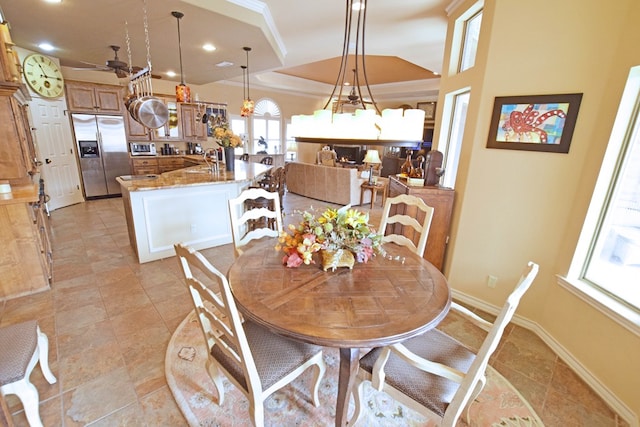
385, 301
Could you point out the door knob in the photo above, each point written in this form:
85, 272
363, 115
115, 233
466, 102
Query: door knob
47, 161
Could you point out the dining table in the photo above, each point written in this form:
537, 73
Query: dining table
391, 298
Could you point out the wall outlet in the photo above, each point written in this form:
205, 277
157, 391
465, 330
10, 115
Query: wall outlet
193, 228
491, 281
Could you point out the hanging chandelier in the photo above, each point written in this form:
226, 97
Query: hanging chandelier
247, 104
389, 127
183, 92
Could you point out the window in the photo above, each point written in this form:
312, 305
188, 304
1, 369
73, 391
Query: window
453, 146
470, 41
266, 127
239, 127
607, 257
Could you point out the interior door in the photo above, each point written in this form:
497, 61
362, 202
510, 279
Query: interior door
56, 150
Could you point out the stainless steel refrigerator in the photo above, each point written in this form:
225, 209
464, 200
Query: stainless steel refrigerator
102, 148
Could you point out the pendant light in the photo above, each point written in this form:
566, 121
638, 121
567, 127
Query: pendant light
183, 92
247, 104
394, 127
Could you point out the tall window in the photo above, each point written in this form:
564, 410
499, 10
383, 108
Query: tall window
239, 127
453, 146
266, 127
470, 41
608, 253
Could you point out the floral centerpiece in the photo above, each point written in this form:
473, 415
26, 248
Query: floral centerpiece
224, 137
344, 231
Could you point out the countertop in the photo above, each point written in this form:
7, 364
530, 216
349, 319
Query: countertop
193, 176
20, 194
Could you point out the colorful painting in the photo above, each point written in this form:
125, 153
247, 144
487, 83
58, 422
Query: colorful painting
535, 123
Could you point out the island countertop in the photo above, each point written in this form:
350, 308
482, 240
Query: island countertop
194, 176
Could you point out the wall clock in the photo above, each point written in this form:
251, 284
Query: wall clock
43, 75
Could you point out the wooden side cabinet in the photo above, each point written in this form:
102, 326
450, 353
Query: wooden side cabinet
26, 266
94, 98
441, 199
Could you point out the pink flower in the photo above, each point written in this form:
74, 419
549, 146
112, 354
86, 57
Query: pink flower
292, 260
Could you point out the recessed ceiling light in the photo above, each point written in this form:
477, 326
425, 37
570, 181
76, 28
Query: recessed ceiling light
224, 64
46, 46
53, 1
171, 73
209, 47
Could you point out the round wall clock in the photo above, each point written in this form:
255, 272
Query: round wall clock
43, 75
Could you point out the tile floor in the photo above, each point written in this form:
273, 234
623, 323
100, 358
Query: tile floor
110, 318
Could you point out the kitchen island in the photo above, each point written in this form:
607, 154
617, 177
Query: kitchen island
188, 205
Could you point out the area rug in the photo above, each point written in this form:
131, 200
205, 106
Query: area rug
499, 404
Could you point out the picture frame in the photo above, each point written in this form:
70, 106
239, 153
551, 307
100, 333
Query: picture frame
429, 109
534, 122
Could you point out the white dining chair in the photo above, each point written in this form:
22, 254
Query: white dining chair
404, 228
22, 346
434, 373
257, 361
256, 223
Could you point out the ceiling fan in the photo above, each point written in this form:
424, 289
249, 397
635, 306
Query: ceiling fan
121, 68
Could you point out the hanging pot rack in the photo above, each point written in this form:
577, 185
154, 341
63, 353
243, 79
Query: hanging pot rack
143, 107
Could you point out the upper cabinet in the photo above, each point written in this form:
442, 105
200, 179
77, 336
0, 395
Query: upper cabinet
171, 130
94, 98
193, 128
185, 122
9, 62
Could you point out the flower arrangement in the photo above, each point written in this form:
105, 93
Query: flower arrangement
225, 137
333, 229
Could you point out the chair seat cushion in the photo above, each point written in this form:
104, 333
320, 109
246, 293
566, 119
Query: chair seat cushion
275, 356
431, 391
17, 344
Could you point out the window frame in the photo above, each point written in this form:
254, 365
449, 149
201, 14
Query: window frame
575, 281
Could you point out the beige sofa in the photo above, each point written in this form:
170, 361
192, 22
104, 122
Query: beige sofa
330, 184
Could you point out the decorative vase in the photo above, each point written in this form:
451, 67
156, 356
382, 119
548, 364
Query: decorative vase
229, 159
338, 258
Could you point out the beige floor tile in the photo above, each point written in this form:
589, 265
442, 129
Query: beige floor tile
130, 322
98, 398
129, 416
160, 409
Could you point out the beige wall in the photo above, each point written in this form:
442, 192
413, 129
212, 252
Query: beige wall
514, 206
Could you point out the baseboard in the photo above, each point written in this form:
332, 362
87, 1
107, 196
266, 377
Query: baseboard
600, 389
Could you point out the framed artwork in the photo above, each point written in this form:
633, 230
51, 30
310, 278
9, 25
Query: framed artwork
429, 109
534, 123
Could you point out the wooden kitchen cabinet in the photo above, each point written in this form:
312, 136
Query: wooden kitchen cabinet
144, 165
26, 266
18, 161
94, 98
191, 121
171, 163
135, 130
10, 67
441, 199
171, 130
